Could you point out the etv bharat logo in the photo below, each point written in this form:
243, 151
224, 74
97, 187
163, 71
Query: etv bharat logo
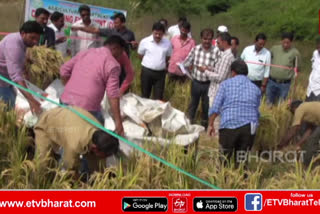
180, 205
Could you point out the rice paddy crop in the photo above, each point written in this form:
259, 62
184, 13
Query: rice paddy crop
20, 170
43, 65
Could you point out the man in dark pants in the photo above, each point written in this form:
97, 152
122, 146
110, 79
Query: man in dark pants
152, 79
199, 90
155, 52
237, 101
201, 59
48, 38
236, 142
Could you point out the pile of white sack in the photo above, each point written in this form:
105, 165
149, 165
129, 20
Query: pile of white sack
144, 120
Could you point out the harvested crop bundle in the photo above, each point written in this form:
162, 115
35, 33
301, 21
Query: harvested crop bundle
43, 65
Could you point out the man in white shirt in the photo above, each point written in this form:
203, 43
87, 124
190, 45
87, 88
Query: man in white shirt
155, 52
84, 40
57, 23
258, 60
313, 92
174, 30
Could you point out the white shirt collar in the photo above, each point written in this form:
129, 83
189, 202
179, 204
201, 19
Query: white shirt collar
152, 39
53, 27
260, 52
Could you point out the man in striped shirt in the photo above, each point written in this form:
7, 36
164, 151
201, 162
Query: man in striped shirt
222, 69
201, 59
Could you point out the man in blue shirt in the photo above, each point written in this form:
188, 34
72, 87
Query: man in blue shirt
237, 102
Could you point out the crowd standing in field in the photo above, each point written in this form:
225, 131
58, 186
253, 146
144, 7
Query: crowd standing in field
229, 84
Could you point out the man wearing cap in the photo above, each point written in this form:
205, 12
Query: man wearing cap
217, 52
221, 29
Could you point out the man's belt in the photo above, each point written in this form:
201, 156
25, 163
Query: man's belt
280, 81
202, 82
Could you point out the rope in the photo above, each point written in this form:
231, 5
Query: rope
98, 125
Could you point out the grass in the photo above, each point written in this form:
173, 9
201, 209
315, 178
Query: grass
20, 171
300, 17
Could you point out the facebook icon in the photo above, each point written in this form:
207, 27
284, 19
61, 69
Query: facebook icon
253, 202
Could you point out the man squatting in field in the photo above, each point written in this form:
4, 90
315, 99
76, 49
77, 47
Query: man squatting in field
307, 117
62, 131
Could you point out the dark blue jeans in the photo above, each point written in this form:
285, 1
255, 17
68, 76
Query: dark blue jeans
277, 91
8, 96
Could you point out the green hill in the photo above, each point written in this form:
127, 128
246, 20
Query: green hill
274, 17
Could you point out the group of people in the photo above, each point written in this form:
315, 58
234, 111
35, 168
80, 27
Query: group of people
230, 86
